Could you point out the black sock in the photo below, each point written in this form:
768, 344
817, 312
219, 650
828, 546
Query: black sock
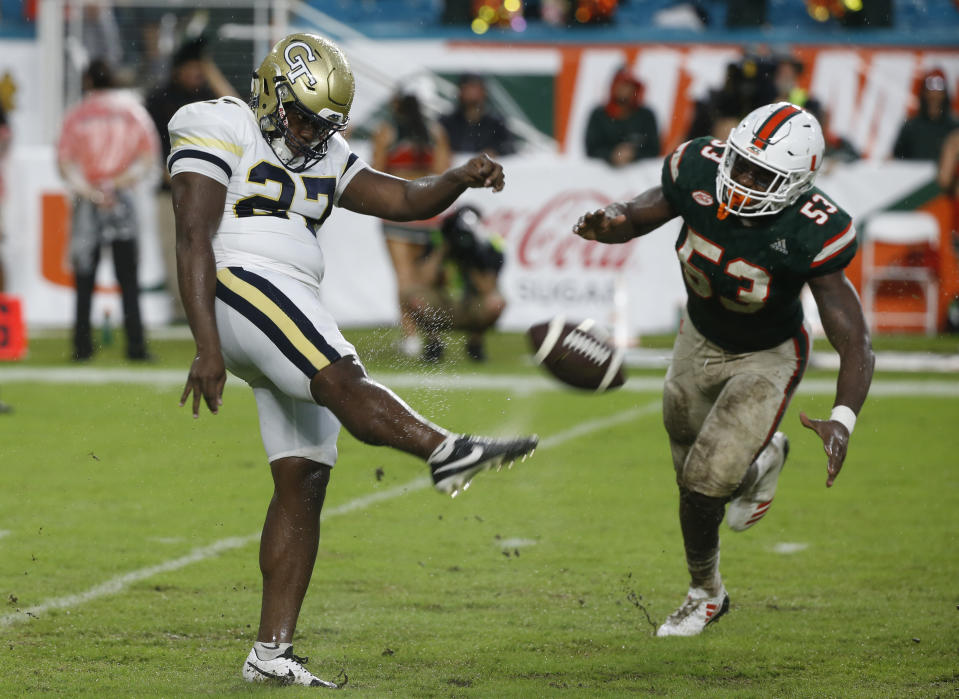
699, 517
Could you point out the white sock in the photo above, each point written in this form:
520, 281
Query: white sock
270, 651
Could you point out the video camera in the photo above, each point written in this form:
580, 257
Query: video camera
468, 248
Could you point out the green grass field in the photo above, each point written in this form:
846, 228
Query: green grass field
128, 544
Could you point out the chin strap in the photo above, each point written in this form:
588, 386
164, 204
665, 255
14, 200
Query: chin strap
722, 212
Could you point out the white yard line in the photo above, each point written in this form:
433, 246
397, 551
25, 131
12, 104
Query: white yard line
585, 428
118, 584
646, 358
946, 386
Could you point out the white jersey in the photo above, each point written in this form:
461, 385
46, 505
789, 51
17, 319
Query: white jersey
271, 216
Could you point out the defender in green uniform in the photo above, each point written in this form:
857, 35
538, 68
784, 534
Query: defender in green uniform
755, 231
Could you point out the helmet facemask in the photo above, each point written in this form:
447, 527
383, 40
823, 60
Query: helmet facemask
296, 154
772, 157
773, 190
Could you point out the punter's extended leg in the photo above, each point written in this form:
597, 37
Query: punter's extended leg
371, 412
375, 415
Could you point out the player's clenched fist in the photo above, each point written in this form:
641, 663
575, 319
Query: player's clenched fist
481, 171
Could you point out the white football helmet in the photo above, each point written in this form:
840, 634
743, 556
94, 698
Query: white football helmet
771, 158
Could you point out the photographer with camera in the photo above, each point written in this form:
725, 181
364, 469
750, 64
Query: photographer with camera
462, 269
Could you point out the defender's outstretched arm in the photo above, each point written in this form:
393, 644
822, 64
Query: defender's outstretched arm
845, 326
622, 221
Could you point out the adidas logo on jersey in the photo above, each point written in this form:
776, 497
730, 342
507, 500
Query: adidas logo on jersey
779, 246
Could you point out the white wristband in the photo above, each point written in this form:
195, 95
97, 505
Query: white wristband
844, 416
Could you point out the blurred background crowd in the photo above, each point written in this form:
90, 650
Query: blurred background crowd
614, 83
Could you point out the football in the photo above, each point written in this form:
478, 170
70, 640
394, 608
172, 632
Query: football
579, 355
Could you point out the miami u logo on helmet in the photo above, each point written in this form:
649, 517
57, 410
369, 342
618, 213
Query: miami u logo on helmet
297, 67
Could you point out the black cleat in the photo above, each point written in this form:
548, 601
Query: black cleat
460, 457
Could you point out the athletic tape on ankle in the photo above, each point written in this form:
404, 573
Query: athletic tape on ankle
844, 416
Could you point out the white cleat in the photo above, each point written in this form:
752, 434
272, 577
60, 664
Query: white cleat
286, 669
698, 611
750, 507
460, 457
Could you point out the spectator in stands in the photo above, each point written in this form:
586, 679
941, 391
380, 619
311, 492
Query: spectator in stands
460, 290
786, 74
949, 172
623, 130
785, 79
748, 86
107, 145
193, 78
5, 138
410, 145
472, 127
922, 136
100, 33
838, 149
949, 182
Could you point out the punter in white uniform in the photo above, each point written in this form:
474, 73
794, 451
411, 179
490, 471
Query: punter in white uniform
252, 184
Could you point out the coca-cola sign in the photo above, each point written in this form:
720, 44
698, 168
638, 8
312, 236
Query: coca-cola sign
543, 238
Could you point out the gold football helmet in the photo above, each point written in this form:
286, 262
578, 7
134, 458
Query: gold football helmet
310, 75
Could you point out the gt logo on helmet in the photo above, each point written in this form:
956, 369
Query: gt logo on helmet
297, 67
309, 75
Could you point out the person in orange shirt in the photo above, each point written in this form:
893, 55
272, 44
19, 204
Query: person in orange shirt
107, 145
949, 182
5, 138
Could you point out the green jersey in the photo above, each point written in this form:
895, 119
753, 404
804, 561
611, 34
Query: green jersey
743, 280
